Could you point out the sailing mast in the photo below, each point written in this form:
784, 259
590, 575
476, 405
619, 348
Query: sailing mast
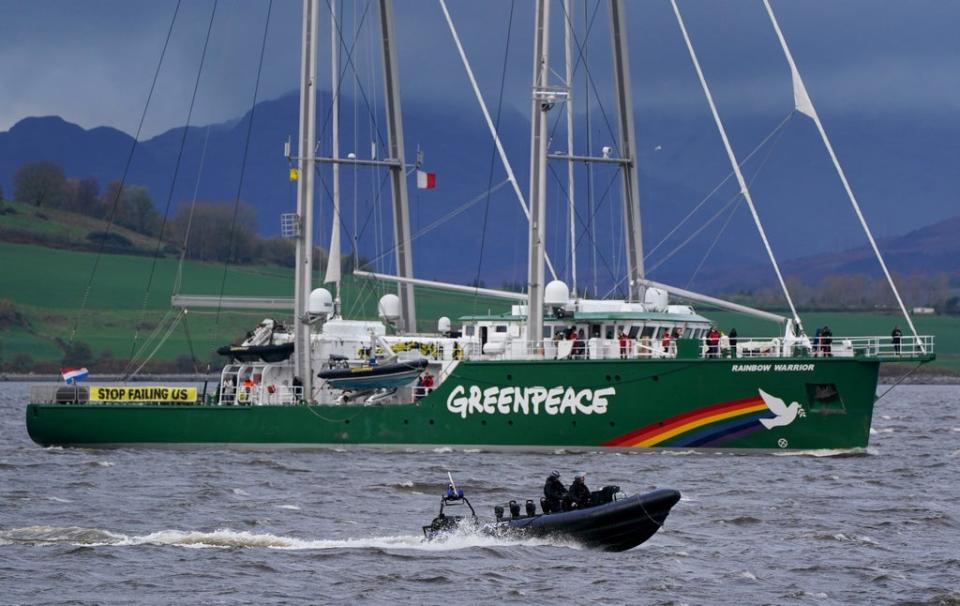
628, 151
398, 177
333, 255
305, 162
542, 102
571, 207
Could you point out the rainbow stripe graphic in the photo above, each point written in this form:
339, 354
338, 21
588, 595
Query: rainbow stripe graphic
712, 425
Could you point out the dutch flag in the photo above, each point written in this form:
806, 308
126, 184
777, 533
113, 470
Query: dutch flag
72, 375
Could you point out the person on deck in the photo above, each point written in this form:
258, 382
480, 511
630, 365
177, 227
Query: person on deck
826, 340
665, 342
816, 342
623, 345
554, 492
579, 493
733, 342
896, 337
713, 342
427, 382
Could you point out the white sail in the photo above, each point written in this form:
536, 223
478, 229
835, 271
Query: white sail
333, 257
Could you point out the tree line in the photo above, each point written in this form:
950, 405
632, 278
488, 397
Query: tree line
210, 231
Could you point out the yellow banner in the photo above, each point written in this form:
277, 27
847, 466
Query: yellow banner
143, 394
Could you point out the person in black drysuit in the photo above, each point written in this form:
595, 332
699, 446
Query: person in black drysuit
554, 492
579, 493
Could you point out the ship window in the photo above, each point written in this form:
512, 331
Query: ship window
824, 397
546, 332
501, 328
648, 331
595, 331
469, 330
608, 330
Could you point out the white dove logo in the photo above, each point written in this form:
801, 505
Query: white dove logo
785, 414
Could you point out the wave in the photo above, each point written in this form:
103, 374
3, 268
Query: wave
227, 538
826, 452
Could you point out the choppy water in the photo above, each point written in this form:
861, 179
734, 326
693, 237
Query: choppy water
221, 527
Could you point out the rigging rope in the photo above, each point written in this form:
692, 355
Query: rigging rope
743, 163
733, 161
733, 212
493, 152
176, 172
243, 166
126, 171
805, 105
178, 279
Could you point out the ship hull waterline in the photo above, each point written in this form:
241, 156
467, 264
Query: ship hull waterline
525, 405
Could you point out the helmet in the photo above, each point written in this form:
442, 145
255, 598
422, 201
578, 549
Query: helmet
580, 474
555, 474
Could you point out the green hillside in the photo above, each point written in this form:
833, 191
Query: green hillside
52, 227
48, 287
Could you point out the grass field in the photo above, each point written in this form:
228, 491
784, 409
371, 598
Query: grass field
62, 226
48, 287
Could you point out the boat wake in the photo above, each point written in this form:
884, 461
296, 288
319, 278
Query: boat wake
42, 536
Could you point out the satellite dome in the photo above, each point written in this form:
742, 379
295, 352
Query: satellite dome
443, 325
556, 293
389, 308
321, 302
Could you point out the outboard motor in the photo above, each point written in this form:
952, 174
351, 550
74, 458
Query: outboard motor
514, 509
543, 505
498, 512
531, 508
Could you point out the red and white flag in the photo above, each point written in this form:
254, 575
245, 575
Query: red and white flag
426, 180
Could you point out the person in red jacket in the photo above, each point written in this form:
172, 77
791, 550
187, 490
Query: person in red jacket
713, 342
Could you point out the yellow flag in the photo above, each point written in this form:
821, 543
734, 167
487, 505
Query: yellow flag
294, 174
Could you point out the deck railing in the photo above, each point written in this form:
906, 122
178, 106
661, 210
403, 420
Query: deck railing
743, 347
262, 394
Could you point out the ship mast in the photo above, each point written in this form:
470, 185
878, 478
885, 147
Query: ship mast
305, 164
542, 102
398, 177
628, 151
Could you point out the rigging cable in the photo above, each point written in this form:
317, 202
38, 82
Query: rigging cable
126, 171
733, 212
743, 163
493, 154
243, 167
173, 180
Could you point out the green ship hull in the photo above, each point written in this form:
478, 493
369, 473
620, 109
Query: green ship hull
819, 403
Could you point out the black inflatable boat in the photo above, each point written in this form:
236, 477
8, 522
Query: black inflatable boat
270, 354
615, 523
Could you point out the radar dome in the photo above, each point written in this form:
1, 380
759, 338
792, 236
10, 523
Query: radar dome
443, 325
389, 308
321, 302
556, 293
656, 298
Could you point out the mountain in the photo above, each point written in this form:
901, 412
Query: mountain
932, 249
902, 167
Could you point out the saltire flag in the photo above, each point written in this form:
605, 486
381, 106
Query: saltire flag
426, 180
72, 375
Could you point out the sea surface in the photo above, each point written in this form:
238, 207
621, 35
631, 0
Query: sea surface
222, 527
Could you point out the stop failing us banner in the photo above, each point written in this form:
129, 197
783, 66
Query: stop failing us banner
143, 393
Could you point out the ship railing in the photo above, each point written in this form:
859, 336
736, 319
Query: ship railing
743, 347
580, 349
260, 395
833, 347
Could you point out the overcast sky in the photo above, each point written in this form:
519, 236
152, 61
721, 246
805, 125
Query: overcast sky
92, 61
